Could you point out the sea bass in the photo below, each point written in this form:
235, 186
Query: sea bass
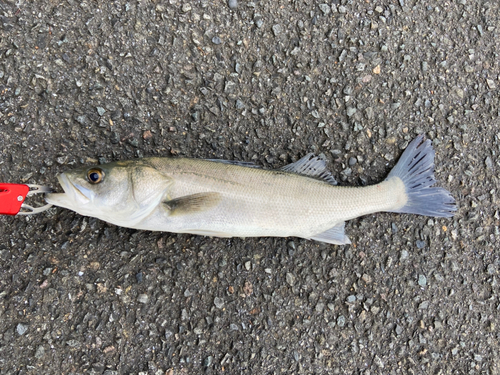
233, 199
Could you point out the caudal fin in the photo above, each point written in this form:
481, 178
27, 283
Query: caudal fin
416, 169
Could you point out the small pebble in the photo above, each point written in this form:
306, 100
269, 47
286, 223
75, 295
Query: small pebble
395, 105
82, 119
168, 334
420, 244
347, 172
277, 29
207, 362
378, 361
341, 321
139, 277
290, 279
233, 4
239, 104
143, 298
40, 352
404, 255
325, 8
480, 29
488, 162
351, 111
491, 84
258, 20
218, 302
186, 7
21, 329
320, 307
492, 269
352, 161
422, 280
216, 40
101, 111
370, 114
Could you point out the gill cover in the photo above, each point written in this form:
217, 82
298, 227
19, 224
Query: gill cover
122, 193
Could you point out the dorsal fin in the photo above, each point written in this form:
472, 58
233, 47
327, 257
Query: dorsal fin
247, 164
312, 166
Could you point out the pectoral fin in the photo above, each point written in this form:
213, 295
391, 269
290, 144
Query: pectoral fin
335, 235
191, 204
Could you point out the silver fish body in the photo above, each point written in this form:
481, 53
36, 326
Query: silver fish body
219, 199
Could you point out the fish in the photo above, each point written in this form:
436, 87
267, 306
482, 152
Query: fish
223, 198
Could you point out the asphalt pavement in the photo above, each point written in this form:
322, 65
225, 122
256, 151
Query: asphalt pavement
86, 82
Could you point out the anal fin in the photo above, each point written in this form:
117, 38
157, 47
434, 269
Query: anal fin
193, 203
334, 235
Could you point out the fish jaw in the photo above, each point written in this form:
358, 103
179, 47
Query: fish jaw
74, 196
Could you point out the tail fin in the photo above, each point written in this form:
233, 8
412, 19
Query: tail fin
416, 169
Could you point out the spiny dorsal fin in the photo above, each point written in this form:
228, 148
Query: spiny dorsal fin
247, 164
312, 166
191, 204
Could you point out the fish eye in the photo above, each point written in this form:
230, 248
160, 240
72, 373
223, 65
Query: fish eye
95, 175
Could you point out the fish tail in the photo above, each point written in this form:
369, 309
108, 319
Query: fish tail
416, 169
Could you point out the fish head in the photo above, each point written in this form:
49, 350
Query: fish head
120, 192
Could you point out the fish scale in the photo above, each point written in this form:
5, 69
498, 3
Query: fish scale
263, 203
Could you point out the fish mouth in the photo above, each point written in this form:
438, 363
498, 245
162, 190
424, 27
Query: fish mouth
73, 193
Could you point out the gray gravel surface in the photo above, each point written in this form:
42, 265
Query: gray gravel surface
85, 81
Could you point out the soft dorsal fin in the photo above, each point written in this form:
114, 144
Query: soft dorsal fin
191, 204
312, 166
